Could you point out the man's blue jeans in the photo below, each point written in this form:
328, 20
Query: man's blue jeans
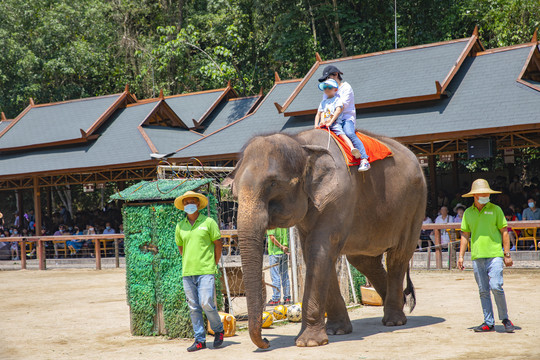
199, 290
280, 276
488, 273
350, 130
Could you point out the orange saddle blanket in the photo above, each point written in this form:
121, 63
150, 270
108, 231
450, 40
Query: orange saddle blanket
375, 149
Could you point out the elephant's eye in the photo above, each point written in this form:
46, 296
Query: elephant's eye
273, 183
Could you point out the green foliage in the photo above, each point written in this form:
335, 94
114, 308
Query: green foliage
163, 189
359, 280
157, 279
58, 50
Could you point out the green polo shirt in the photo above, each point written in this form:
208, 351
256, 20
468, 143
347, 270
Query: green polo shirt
485, 228
198, 245
281, 236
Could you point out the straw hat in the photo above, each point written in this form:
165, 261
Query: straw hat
480, 186
1, 215
179, 201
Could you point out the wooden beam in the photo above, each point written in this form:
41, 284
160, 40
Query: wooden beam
161, 96
504, 48
475, 31
147, 139
38, 222
3, 116
300, 86
126, 89
527, 62
276, 77
464, 53
535, 36
278, 107
120, 102
31, 102
318, 57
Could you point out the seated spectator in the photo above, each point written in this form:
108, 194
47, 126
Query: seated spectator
88, 247
108, 229
510, 216
459, 209
425, 235
444, 218
57, 245
531, 212
14, 245
75, 245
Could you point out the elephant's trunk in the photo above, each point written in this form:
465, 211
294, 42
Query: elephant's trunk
252, 223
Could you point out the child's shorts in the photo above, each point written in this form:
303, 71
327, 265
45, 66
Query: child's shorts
337, 127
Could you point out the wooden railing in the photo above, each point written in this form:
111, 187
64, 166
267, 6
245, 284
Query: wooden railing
457, 226
40, 246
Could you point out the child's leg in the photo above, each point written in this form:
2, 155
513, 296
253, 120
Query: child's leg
347, 140
350, 131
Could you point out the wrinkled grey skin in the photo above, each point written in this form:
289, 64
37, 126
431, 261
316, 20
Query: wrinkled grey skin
283, 181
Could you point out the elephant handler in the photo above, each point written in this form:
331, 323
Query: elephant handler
487, 225
198, 239
278, 256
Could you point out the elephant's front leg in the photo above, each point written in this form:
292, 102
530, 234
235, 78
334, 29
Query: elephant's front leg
319, 263
338, 322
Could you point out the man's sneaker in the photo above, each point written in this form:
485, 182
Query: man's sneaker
287, 301
364, 165
484, 328
508, 326
197, 345
356, 153
218, 339
273, 302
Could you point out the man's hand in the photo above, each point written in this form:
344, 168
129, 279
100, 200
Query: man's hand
285, 249
508, 261
460, 264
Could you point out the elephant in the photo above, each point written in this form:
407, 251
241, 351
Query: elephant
302, 180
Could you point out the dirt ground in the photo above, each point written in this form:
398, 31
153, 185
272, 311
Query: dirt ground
82, 314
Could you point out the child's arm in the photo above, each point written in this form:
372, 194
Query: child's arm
317, 119
337, 112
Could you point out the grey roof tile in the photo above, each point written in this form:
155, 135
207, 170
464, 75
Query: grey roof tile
227, 112
193, 106
387, 76
56, 122
168, 139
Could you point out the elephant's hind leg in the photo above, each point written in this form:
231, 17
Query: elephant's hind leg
397, 264
373, 269
337, 322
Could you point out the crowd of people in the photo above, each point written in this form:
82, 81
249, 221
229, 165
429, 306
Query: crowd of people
517, 200
100, 221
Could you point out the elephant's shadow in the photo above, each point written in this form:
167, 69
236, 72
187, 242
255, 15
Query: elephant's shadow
362, 328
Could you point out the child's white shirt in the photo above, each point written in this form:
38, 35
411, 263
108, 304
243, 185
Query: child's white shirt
328, 107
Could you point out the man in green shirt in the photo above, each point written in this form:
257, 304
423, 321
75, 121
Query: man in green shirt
484, 223
198, 239
278, 251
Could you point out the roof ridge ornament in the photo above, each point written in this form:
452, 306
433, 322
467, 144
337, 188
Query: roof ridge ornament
318, 57
3, 116
31, 102
475, 31
276, 77
535, 36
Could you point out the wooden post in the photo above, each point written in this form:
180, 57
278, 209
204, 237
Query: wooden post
37, 215
455, 173
438, 252
428, 257
97, 250
19, 194
116, 254
23, 254
49, 203
432, 163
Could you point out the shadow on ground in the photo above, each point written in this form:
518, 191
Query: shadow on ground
362, 328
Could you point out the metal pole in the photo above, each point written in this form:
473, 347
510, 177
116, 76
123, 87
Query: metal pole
116, 254
294, 268
351, 280
227, 286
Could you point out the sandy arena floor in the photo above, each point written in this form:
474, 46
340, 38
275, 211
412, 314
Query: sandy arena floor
82, 314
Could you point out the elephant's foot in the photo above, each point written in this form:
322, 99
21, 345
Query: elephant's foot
312, 337
393, 317
338, 327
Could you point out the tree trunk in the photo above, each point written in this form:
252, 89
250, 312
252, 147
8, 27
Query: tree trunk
336, 29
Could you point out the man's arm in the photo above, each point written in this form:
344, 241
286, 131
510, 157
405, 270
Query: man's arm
217, 250
181, 249
462, 248
285, 249
506, 246
337, 112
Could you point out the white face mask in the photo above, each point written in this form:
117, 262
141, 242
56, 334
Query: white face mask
483, 199
190, 208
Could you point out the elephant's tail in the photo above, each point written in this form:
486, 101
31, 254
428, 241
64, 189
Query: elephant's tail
409, 294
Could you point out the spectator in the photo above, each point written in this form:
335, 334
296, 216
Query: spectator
108, 229
532, 212
444, 218
510, 216
278, 255
14, 245
425, 235
88, 244
17, 221
459, 209
75, 245
515, 187
58, 245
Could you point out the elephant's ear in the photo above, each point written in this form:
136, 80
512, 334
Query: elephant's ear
320, 178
